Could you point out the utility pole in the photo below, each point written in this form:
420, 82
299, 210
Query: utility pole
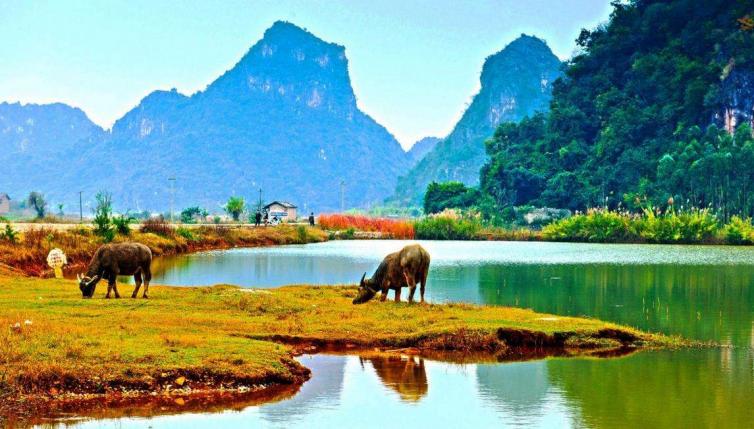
172, 196
81, 208
260, 200
342, 195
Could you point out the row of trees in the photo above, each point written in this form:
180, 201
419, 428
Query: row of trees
37, 202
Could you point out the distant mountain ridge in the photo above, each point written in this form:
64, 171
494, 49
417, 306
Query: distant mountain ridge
421, 148
36, 142
515, 82
283, 119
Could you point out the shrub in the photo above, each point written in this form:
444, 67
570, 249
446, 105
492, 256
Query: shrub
302, 234
9, 234
393, 227
123, 224
158, 226
739, 231
186, 233
447, 228
652, 226
102, 216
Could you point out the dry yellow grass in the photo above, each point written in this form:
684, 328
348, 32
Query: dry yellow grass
79, 244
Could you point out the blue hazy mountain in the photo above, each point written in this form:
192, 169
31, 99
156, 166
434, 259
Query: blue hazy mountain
421, 148
515, 82
284, 118
38, 143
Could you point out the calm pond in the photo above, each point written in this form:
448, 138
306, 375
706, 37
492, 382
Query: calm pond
699, 292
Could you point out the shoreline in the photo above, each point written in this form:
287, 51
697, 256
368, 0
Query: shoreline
223, 340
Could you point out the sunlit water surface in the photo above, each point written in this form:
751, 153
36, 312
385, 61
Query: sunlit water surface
699, 292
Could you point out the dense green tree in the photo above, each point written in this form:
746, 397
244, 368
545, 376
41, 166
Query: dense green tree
37, 202
625, 120
191, 214
440, 196
235, 207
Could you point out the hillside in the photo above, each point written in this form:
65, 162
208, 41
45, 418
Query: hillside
284, 118
37, 141
515, 82
421, 148
656, 104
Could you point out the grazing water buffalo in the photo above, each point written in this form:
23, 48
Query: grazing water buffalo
118, 259
407, 267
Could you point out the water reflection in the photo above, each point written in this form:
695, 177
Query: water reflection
405, 375
698, 292
649, 389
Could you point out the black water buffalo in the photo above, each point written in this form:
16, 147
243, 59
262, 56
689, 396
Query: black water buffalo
118, 259
407, 267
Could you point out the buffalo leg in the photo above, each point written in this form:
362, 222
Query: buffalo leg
383, 296
114, 281
398, 294
147, 279
411, 283
137, 282
111, 287
424, 283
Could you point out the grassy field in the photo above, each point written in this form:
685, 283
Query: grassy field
54, 343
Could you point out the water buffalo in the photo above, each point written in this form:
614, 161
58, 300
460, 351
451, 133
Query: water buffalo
118, 259
407, 267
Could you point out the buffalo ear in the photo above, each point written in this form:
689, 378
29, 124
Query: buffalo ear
361, 283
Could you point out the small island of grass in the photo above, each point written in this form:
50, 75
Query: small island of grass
56, 346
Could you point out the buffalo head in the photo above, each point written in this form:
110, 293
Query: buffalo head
367, 290
87, 285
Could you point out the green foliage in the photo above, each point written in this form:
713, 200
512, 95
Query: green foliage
235, 207
122, 224
185, 233
103, 216
652, 226
302, 233
627, 120
37, 202
9, 234
440, 196
191, 214
446, 228
739, 231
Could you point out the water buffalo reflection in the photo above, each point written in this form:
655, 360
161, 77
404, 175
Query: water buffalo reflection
405, 375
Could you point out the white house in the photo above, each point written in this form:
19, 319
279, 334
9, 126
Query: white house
285, 211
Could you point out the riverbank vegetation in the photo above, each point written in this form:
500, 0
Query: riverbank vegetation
27, 251
600, 225
388, 228
54, 343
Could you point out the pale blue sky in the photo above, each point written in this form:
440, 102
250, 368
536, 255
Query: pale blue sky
414, 64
